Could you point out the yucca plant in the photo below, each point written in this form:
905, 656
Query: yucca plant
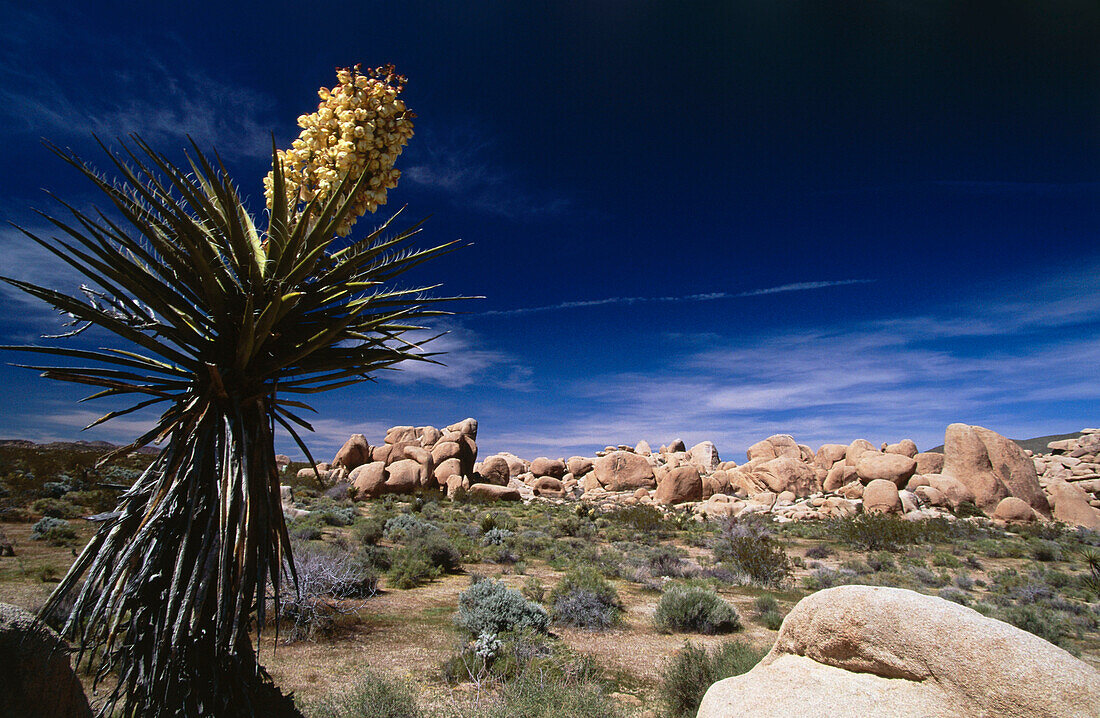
229, 325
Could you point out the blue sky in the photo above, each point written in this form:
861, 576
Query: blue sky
700, 220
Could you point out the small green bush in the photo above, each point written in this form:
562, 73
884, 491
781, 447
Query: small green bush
764, 603
693, 608
1043, 550
693, 669
373, 696
408, 569
439, 551
772, 620
586, 578
54, 530
369, 532
876, 532
490, 607
639, 517
533, 695
405, 528
58, 508
585, 599
749, 545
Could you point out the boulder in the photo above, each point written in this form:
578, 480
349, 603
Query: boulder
643, 448
282, 461
705, 456
404, 476
429, 435
354, 453
367, 480
495, 470
320, 475
446, 450
454, 483
955, 491
466, 427
624, 470
682, 484
516, 465
857, 449
915, 482
829, 454
37, 678
992, 467
905, 447
858, 651
1071, 505
840, 475
448, 468
494, 492
548, 486
579, 465
543, 466
761, 450
930, 496
1014, 510
787, 474
891, 467
852, 491
881, 496
676, 445
401, 434
784, 445
929, 462
838, 508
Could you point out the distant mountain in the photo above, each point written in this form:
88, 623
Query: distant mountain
1038, 445
102, 446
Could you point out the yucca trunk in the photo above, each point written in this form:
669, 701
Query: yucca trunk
186, 564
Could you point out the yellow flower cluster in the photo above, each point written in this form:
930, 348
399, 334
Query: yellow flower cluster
360, 127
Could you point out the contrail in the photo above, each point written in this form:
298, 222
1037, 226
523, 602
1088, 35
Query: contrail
796, 287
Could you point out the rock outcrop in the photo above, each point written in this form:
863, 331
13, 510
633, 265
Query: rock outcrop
36, 677
858, 651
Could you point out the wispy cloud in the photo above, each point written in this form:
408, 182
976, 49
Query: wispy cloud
463, 164
710, 296
137, 90
464, 362
1023, 368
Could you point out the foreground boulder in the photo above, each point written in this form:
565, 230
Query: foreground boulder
873, 651
36, 678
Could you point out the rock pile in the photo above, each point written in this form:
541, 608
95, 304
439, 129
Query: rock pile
410, 458
782, 477
875, 651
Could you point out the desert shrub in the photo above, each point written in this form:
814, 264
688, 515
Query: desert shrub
1046, 550
54, 530
495, 537
326, 577
584, 609
405, 528
955, 595
927, 576
533, 590
584, 598
490, 607
55, 489
772, 620
369, 532
875, 532
693, 669
426, 558
824, 577
535, 695
372, 696
943, 558
692, 608
749, 546
58, 508
881, 561
968, 509
439, 551
764, 603
964, 581
664, 560
95, 499
496, 520
639, 517
338, 515
819, 552
338, 491
1044, 623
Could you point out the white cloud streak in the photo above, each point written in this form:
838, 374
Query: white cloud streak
706, 297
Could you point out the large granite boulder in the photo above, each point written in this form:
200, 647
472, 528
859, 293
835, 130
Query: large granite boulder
36, 677
787, 474
858, 651
354, 453
992, 467
624, 470
891, 467
681, 484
